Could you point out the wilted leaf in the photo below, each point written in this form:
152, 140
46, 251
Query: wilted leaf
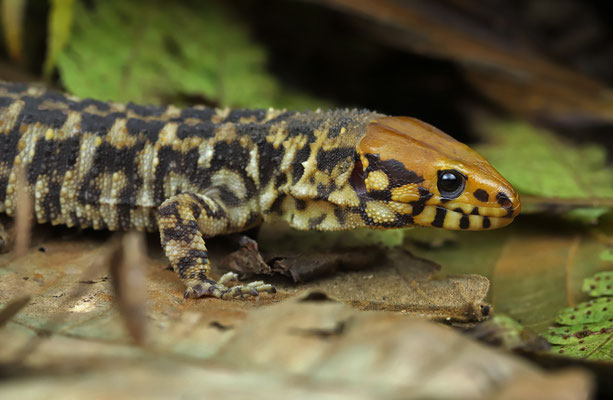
394, 279
12, 308
395, 356
23, 215
306, 267
128, 269
303, 349
587, 329
145, 51
60, 24
13, 24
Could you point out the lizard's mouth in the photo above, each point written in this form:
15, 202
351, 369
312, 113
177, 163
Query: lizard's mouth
459, 218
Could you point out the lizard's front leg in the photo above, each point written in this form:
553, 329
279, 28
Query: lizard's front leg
183, 220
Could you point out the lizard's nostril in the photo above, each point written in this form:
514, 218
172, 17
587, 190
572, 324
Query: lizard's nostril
504, 200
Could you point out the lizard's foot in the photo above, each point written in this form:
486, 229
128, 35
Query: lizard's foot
221, 291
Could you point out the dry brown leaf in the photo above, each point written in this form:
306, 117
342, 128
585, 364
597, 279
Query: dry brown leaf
23, 215
307, 348
384, 354
303, 268
13, 16
402, 282
12, 308
127, 266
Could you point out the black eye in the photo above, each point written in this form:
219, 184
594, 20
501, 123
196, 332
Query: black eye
451, 183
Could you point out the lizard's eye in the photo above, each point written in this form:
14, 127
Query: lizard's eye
451, 183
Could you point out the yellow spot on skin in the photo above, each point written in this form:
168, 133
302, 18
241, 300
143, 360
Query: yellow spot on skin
49, 135
364, 162
376, 180
406, 193
97, 141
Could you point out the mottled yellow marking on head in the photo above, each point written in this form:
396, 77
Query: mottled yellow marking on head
406, 193
376, 180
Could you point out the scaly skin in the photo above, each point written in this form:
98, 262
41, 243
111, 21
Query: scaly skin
200, 172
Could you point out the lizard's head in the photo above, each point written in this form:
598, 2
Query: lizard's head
409, 172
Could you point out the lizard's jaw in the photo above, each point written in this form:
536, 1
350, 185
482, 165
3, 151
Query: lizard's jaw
455, 216
441, 217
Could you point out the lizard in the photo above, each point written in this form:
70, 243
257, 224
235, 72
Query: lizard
198, 172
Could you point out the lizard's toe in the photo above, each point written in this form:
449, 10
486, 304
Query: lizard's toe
262, 287
194, 292
220, 291
201, 290
228, 277
252, 289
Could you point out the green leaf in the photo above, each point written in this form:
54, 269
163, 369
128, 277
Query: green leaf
592, 342
586, 330
600, 284
538, 163
588, 215
147, 52
606, 255
588, 312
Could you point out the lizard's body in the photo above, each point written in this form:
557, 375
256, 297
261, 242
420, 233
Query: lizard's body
202, 172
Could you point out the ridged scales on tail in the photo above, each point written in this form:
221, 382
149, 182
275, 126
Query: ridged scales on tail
198, 172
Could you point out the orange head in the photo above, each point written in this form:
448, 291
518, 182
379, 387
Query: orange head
427, 178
